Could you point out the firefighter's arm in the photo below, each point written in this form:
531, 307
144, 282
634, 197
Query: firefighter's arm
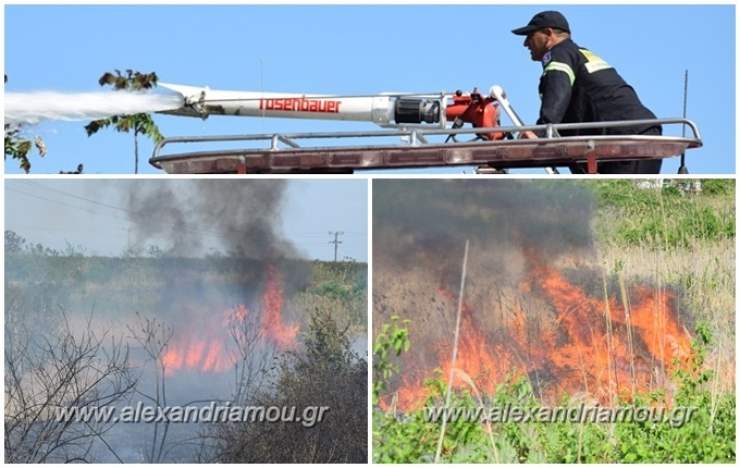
555, 87
555, 90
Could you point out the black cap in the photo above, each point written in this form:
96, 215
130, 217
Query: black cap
546, 19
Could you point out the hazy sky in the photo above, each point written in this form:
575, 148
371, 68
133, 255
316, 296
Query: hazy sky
94, 214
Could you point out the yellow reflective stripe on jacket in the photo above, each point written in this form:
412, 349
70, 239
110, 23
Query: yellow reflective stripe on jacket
596, 66
594, 63
563, 67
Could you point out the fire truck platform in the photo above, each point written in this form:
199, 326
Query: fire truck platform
282, 154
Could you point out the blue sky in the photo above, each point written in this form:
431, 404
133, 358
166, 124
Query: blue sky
350, 50
91, 214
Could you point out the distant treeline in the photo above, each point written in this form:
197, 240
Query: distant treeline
38, 263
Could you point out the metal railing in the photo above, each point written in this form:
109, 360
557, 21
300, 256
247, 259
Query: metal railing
419, 137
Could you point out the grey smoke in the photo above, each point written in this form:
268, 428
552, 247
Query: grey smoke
436, 216
241, 216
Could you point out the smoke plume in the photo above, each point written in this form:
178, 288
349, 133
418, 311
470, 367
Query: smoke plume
241, 220
439, 215
242, 217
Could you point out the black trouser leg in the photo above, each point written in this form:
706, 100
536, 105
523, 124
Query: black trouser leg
632, 166
635, 166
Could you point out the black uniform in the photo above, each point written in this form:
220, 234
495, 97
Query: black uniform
577, 86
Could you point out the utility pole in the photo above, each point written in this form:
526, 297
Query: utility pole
336, 242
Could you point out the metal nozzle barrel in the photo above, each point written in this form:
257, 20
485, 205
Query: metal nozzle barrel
415, 111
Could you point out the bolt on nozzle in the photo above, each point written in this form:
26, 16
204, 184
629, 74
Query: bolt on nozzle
197, 104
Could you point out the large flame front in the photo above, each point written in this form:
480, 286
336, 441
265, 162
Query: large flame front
202, 346
591, 345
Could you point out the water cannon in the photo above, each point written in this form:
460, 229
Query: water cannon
384, 109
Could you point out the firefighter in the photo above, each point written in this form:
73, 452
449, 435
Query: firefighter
578, 86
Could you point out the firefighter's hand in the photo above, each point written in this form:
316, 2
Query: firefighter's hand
527, 135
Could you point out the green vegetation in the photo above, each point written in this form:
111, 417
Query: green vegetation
664, 217
140, 124
391, 338
670, 236
328, 375
18, 147
707, 437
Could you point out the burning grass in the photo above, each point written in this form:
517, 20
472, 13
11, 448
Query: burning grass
599, 321
202, 343
566, 337
552, 339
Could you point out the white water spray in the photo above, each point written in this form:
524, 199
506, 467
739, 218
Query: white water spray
34, 107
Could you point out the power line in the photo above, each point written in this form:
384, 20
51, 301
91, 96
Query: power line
195, 228
189, 227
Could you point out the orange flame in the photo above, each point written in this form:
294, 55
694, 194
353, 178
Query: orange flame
201, 349
646, 342
283, 335
578, 351
202, 346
